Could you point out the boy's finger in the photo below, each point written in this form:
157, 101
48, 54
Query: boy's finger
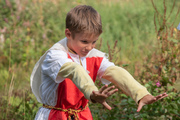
112, 92
158, 96
140, 106
106, 105
163, 96
103, 88
108, 89
95, 93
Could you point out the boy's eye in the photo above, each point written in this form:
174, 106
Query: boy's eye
84, 41
94, 42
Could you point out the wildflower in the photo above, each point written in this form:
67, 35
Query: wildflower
6, 20
175, 29
28, 29
158, 84
2, 40
178, 27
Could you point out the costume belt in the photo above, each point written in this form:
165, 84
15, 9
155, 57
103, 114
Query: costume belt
69, 111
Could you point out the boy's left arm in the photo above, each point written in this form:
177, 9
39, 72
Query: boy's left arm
149, 99
123, 80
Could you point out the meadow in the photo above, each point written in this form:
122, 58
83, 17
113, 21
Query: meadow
141, 36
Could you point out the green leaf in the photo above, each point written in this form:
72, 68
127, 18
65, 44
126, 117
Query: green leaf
174, 111
125, 65
123, 102
123, 95
174, 40
177, 85
174, 106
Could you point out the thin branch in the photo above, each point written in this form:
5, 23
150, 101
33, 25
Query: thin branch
171, 9
164, 16
155, 8
176, 16
155, 22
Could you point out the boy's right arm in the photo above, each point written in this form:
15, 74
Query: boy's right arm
57, 66
79, 76
85, 84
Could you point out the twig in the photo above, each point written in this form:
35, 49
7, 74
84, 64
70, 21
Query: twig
171, 9
155, 23
155, 8
164, 17
176, 16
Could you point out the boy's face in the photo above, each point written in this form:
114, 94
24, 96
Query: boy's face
81, 44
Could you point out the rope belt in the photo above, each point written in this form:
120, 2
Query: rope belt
69, 111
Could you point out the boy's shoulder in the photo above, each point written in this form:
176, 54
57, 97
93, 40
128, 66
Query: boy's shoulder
57, 50
61, 45
96, 53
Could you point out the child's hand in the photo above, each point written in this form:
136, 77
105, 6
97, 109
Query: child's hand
149, 99
101, 95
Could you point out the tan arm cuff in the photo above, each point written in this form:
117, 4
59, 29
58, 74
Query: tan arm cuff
79, 76
123, 80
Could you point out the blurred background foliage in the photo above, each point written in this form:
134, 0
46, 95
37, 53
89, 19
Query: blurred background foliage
140, 36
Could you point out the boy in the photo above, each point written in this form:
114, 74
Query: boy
63, 79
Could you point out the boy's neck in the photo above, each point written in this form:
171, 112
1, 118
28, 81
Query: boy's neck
71, 51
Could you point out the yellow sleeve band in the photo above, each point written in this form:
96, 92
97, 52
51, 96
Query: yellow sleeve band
79, 76
123, 80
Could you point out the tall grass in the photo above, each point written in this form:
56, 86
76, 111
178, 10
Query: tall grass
29, 27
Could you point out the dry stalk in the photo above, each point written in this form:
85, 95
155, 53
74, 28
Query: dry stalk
155, 8
171, 9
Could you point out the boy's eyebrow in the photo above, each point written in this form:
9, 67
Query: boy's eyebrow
87, 39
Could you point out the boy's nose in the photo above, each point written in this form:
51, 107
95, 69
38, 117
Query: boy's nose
89, 47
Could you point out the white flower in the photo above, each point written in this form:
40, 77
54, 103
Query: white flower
178, 27
1, 41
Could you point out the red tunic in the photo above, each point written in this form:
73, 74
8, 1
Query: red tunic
69, 96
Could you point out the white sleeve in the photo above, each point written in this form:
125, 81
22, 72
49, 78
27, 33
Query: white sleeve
104, 65
52, 64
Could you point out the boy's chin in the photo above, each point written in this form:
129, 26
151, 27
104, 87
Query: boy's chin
83, 55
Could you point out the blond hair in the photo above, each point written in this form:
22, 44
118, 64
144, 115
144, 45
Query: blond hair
84, 19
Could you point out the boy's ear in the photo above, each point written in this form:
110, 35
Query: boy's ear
68, 33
